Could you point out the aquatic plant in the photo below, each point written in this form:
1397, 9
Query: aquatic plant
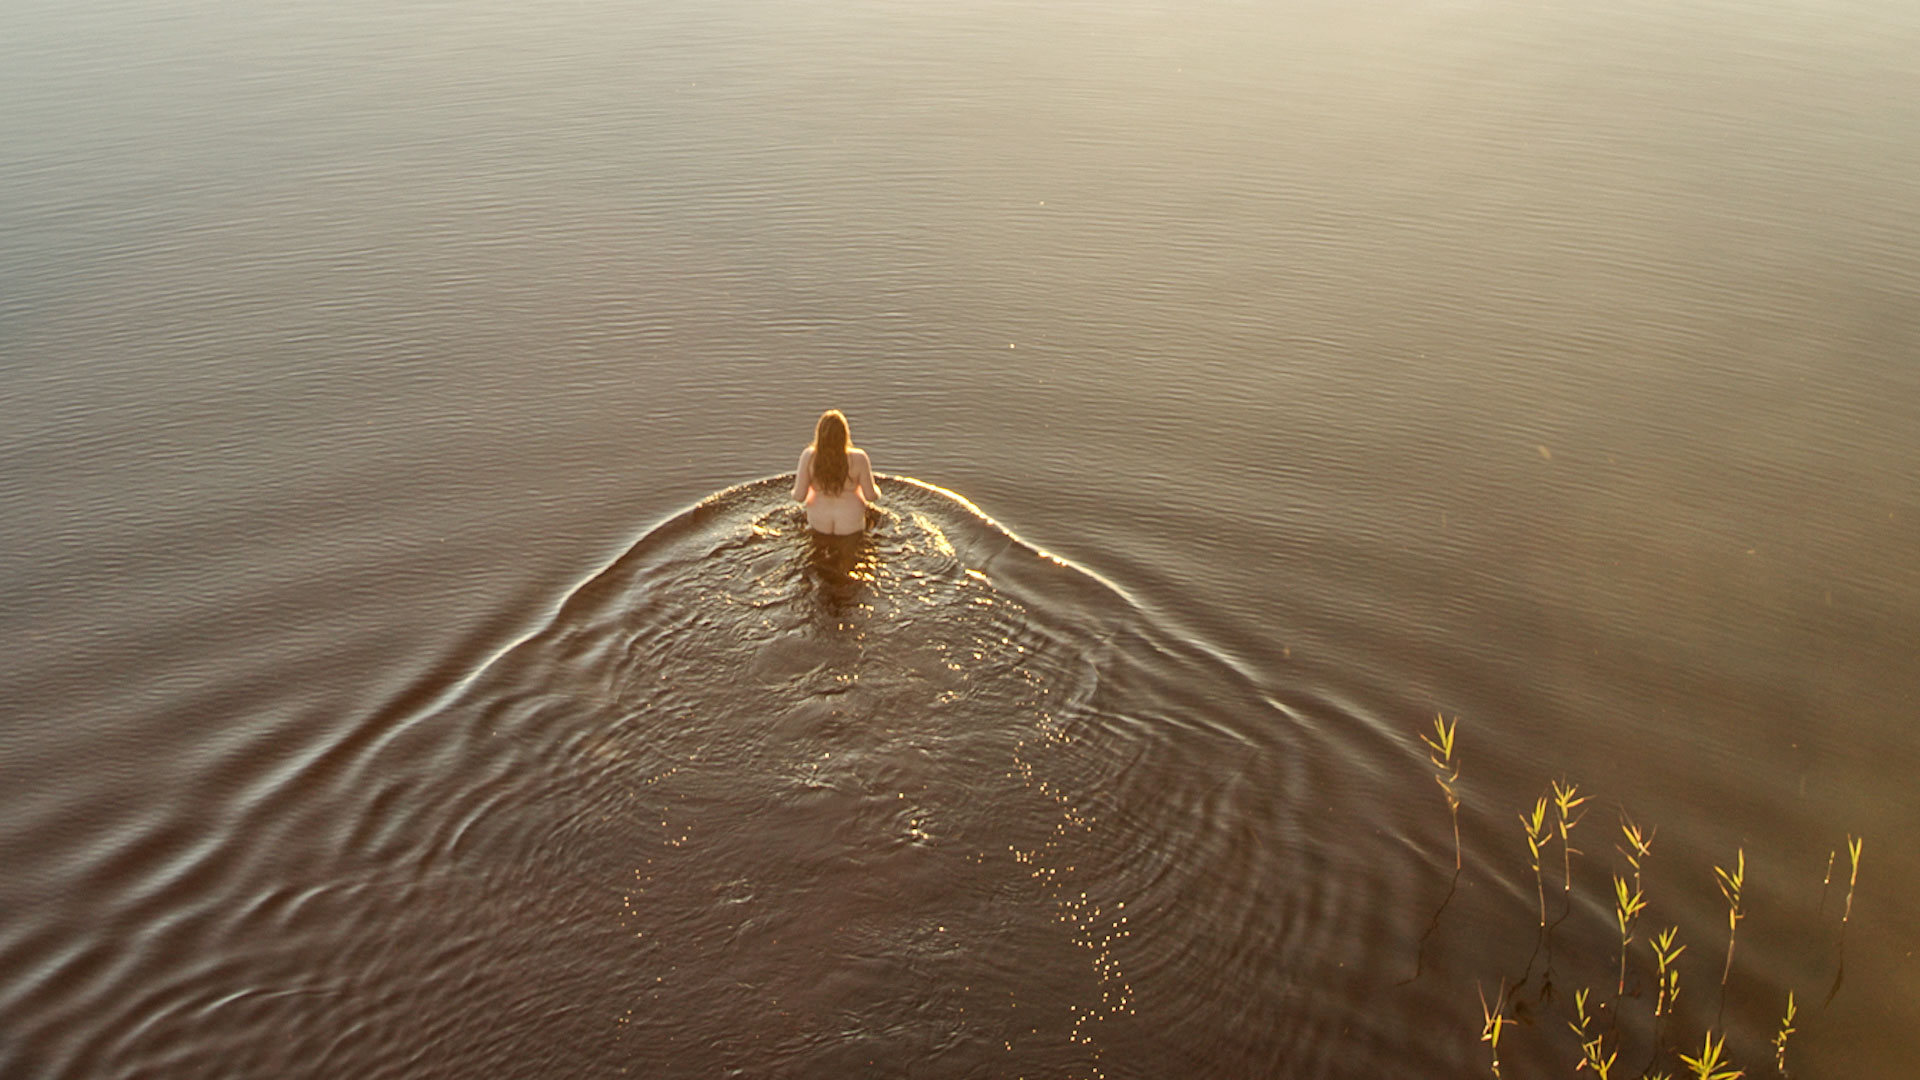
1539, 835
1553, 816
1665, 952
1592, 1046
1626, 909
1840, 944
1492, 1020
1853, 879
1639, 846
1708, 1065
1730, 889
1446, 771
1780, 1039
1564, 804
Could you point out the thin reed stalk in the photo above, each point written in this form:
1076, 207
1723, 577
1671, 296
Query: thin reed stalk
1446, 772
1780, 1039
1628, 905
1730, 889
1539, 835
1592, 1045
1565, 804
1665, 953
1853, 878
1840, 945
1492, 1020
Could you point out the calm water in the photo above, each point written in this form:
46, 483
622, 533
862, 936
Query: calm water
414, 669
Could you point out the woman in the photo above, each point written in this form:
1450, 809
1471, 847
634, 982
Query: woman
834, 479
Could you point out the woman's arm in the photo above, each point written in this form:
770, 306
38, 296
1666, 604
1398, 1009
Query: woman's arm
862, 468
803, 475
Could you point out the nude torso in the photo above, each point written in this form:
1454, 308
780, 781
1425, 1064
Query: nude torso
844, 511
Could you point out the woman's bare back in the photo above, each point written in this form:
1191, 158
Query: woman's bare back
842, 512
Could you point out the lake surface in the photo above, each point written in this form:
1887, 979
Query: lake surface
415, 668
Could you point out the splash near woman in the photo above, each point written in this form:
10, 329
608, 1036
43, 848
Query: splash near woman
834, 479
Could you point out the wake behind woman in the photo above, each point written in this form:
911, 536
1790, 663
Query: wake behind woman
835, 479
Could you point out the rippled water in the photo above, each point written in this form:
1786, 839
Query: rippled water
389, 692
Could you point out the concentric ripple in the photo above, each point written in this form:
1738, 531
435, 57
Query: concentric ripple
925, 802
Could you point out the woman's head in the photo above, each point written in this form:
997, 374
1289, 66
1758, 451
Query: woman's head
830, 441
831, 430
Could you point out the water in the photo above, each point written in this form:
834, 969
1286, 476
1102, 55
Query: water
389, 693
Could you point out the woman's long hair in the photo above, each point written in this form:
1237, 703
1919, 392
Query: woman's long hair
830, 441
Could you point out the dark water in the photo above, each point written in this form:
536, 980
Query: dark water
388, 692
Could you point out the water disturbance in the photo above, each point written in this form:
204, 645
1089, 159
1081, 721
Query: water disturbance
401, 682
